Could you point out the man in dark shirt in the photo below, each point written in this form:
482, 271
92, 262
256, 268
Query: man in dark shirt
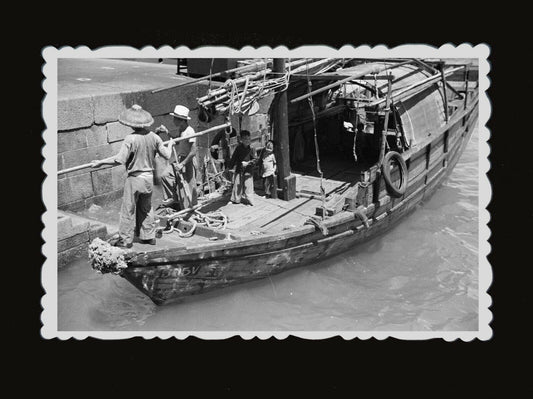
137, 153
243, 159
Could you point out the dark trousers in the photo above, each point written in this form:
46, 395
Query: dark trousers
136, 214
174, 188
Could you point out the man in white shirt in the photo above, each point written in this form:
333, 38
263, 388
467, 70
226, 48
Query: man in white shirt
179, 179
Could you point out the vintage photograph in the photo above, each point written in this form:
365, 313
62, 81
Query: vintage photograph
314, 192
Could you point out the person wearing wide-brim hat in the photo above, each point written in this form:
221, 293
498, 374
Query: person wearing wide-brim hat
137, 154
179, 179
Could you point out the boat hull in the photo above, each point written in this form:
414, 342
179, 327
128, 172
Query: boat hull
167, 279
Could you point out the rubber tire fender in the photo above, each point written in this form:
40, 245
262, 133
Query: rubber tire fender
385, 169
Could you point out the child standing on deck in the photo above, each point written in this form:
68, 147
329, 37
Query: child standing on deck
268, 170
243, 181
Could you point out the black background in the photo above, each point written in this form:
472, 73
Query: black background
371, 368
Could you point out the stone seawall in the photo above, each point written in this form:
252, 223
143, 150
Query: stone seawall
88, 127
74, 235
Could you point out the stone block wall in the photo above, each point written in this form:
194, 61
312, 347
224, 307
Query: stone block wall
73, 236
88, 129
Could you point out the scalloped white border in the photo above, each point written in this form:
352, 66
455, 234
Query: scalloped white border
49, 189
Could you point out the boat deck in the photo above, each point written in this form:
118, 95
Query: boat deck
266, 216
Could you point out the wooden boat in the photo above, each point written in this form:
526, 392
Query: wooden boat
429, 110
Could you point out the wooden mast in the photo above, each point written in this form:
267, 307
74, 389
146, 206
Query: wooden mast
281, 137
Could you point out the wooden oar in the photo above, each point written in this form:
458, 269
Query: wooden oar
211, 129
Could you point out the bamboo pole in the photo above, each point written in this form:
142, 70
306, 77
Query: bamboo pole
178, 139
467, 71
435, 70
311, 65
370, 69
238, 69
444, 92
237, 82
385, 125
297, 63
223, 92
430, 79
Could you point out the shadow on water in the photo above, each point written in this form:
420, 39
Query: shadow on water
421, 274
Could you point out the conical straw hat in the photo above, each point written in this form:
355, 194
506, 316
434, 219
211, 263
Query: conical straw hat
136, 117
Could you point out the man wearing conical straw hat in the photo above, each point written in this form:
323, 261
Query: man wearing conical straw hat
137, 154
179, 179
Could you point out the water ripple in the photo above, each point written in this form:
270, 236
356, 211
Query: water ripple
421, 275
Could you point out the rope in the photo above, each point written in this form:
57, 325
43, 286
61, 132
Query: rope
319, 169
214, 220
355, 135
239, 102
224, 100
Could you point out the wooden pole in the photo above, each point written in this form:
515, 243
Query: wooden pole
434, 70
243, 68
430, 79
385, 125
185, 185
444, 92
281, 137
211, 129
312, 65
366, 71
239, 81
467, 70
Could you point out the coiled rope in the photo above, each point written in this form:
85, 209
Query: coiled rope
214, 220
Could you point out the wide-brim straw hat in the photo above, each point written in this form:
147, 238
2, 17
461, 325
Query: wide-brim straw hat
136, 117
181, 112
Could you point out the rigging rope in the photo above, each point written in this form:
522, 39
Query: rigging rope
355, 134
235, 101
317, 152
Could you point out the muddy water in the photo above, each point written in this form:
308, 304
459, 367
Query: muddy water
421, 275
